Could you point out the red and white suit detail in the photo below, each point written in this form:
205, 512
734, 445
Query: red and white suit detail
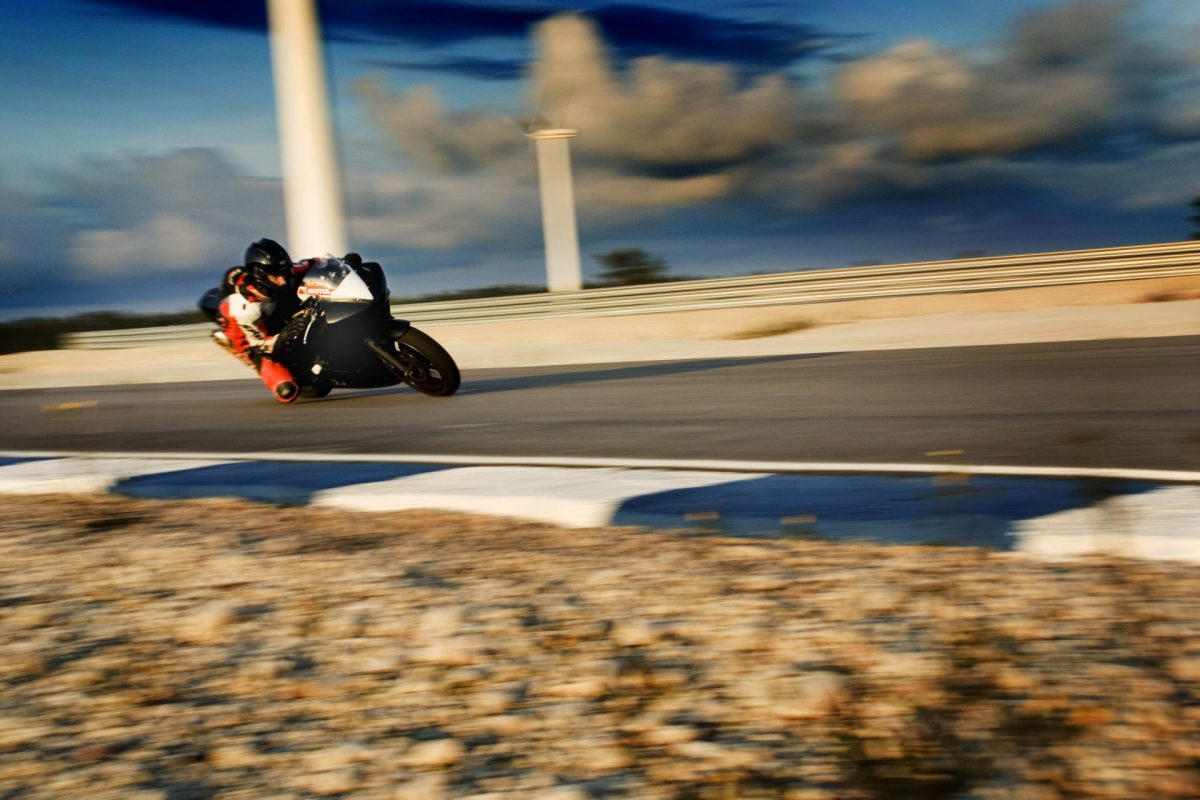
244, 323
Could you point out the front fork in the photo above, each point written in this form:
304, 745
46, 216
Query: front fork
405, 368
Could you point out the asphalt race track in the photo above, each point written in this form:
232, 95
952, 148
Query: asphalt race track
1132, 403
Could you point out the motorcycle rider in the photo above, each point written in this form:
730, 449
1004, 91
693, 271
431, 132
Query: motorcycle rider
256, 300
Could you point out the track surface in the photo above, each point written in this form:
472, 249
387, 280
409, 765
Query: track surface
1120, 403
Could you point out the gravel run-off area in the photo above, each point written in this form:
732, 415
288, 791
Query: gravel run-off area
222, 649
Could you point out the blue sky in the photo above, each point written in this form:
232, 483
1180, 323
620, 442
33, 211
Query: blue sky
140, 154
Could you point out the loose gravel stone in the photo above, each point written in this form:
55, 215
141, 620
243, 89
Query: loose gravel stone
435, 754
222, 649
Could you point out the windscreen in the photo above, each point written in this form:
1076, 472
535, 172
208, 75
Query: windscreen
331, 278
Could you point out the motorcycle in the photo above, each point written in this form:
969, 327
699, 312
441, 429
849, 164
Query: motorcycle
343, 334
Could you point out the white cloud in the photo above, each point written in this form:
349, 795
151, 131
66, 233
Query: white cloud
659, 113
1181, 116
443, 211
815, 177
1160, 178
160, 218
1066, 72
616, 190
177, 244
437, 140
168, 213
660, 134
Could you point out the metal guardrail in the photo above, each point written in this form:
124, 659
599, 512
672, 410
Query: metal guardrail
1063, 268
134, 337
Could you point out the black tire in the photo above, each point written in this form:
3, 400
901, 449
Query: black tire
428, 367
316, 391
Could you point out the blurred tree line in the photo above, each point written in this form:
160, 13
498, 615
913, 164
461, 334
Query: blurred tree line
629, 267
42, 333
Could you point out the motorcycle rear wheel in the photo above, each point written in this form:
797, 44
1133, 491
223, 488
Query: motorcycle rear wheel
426, 366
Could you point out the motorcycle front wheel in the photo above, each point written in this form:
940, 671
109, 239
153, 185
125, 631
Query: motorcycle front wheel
423, 364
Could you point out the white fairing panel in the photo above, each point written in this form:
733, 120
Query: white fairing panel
332, 279
350, 289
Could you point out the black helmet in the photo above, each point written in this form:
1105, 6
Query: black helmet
269, 256
266, 259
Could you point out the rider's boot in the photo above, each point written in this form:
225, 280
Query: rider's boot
279, 381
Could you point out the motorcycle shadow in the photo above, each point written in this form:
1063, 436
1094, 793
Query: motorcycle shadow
349, 393
477, 382
568, 375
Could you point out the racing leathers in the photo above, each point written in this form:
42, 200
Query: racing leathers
250, 320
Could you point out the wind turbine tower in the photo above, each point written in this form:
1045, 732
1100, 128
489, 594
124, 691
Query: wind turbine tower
312, 190
563, 272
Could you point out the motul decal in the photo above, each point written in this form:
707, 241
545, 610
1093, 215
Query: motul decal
315, 290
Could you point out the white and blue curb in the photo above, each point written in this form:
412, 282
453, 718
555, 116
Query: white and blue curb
1142, 513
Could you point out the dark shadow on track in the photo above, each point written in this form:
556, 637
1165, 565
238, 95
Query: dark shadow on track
551, 376
652, 369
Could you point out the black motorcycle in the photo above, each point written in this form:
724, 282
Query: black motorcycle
343, 334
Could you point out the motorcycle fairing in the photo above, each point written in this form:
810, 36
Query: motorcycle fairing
336, 312
332, 280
